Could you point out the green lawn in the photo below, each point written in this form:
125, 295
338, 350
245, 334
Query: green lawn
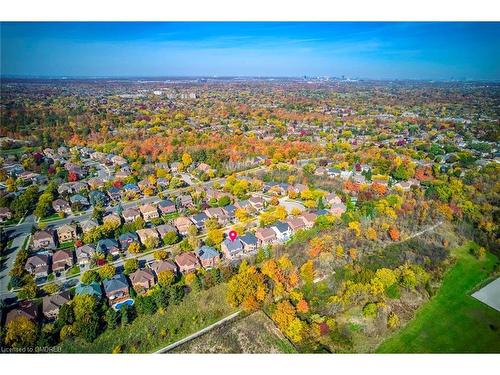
453, 321
50, 218
149, 333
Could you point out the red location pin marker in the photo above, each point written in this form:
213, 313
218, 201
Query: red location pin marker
233, 235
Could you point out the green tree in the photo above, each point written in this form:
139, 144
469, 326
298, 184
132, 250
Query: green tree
106, 272
20, 333
166, 278
131, 265
89, 277
170, 238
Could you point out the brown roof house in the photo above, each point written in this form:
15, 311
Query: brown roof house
146, 234
38, 265
296, 223
112, 219
66, 232
142, 279
5, 214
131, 214
332, 199
265, 236
163, 265
166, 206
27, 309
149, 212
309, 219
52, 304
62, 260
217, 213
257, 203
88, 225
60, 205
84, 254
182, 224
338, 209
43, 240
187, 262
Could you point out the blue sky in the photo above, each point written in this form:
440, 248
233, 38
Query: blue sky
365, 50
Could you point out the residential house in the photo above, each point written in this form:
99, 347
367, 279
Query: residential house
51, 304
249, 242
164, 229
95, 183
163, 265
112, 219
130, 190
296, 223
116, 288
320, 171
166, 207
84, 254
257, 203
244, 205
43, 240
345, 175
62, 260
217, 213
79, 199
185, 201
338, 209
88, 225
309, 219
174, 166
142, 279
230, 211
187, 262
114, 193
38, 265
5, 214
108, 246
204, 168
97, 197
265, 236
128, 238
213, 194
182, 224
121, 175
131, 214
149, 212
199, 220
93, 289
118, 160
60, 205
66, 232
283, 231
297, 189
147, 234
27, 309
209, 257
332, 199
231, 249
162, 183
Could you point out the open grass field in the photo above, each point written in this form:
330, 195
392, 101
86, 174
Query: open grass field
453, 321
255, 333
149, 333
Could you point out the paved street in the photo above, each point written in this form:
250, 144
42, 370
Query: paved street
18, 234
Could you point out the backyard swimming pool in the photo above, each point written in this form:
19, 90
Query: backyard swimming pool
128, 302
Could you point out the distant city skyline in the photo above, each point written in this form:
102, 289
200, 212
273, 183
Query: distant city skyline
367, 50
